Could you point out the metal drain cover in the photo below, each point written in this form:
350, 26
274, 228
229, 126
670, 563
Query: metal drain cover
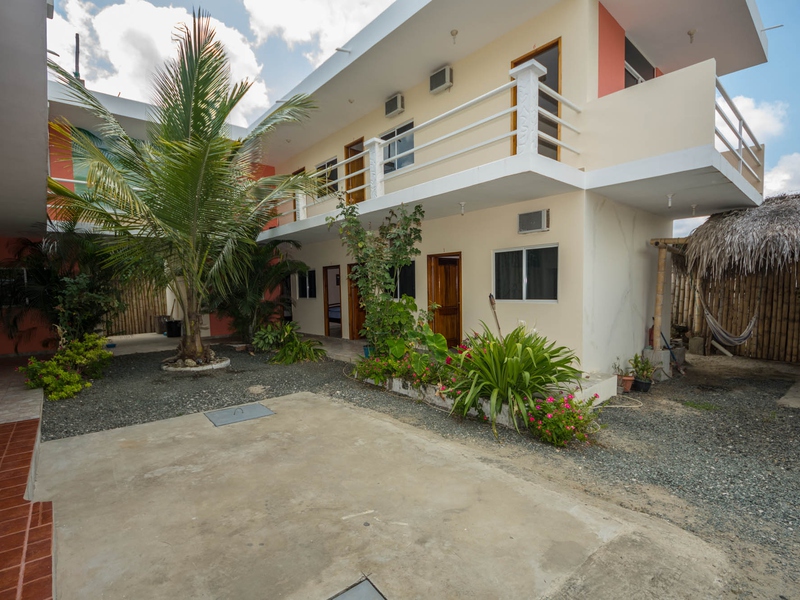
226, 416
363, 590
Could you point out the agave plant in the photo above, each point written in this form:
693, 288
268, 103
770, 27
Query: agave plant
186, 204
511, 371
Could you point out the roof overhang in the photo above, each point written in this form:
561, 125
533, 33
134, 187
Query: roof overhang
731, 31
23, 120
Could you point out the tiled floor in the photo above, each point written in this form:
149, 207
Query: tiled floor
26, 528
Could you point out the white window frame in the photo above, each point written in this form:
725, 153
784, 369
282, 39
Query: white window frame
331, 162
393, 141
525, 274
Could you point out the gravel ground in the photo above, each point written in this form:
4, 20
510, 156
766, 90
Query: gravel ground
719, 459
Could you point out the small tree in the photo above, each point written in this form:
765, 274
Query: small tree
379, 255
245, 302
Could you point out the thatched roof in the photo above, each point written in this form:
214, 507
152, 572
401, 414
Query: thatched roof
747, 240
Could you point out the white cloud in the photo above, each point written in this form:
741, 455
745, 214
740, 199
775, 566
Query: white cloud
683, 227
768, 120
783, 177
327, 23
122, 44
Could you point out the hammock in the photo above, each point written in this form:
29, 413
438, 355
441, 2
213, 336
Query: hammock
726, 338
718, 331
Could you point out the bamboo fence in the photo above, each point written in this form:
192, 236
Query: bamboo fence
734, 300
144, 306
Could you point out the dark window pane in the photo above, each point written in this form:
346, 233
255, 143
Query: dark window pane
639, 63
549, 59
542, 276
508, 275
312, 284
302, 285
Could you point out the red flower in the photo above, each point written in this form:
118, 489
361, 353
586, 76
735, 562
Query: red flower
448, 360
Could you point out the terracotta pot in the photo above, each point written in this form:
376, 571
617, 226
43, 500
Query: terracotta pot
627, 382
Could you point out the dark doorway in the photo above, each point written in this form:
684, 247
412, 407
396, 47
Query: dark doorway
332, 294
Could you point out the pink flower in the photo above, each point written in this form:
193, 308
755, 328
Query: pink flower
580, 418
549, 415
469, 355
538, 407
597, 395
550, 400
566, 405
570, 397
449, 361
530, 419
454, 379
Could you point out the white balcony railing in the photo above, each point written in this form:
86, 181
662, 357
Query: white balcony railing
371, 162
741, 146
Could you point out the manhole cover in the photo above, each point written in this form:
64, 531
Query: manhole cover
226, 416
363, 590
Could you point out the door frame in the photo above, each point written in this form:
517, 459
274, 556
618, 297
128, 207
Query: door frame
521, 60
431, 274
325, 305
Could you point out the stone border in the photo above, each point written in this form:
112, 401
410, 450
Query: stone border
597, 384
221, 364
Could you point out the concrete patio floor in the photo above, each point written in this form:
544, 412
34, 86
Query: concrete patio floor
301, 504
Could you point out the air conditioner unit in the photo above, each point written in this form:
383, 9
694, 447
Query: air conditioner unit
534, 221
441, 80
395, 105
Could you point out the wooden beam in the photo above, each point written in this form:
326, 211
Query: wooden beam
662, 268
657, 241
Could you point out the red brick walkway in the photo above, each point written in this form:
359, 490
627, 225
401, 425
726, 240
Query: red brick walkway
26, 528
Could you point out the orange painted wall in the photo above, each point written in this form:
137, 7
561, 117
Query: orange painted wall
39, 328
611, 76
60, 162
220, 325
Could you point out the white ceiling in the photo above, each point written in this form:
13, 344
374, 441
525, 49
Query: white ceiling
410, 40
23, 120
727, 30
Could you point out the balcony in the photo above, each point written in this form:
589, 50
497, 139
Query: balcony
675, 145
482, 134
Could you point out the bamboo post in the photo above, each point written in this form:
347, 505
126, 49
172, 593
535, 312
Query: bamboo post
662, 267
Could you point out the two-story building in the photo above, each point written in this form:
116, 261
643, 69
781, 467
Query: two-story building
548, 141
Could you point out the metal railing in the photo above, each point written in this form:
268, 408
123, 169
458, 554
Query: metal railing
741, 147
375, 158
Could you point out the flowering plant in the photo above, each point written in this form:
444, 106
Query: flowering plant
561, 420
508, 371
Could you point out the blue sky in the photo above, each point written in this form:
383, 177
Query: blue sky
276, 43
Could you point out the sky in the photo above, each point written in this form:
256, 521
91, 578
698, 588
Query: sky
277, 43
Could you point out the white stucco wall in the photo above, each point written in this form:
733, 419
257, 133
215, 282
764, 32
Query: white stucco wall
620, 281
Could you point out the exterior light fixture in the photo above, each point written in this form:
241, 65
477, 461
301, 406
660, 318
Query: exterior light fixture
454, 33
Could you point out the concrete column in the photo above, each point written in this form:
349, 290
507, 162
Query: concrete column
527, 76
373, 146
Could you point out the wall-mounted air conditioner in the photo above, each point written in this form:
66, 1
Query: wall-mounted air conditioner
395, 105
534, 221
441, 80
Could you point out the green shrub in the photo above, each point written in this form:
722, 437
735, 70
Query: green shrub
268, 338
417, 368
510, 371
559, 421
290, 348
65, 374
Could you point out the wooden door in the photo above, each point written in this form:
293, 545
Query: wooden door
355, 311
356, 181
444, 289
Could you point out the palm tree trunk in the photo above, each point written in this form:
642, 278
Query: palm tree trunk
191, 342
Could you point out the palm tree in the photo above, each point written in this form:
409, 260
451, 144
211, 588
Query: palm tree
184, 205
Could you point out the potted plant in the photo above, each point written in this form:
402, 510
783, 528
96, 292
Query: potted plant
643, 371
624, 377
